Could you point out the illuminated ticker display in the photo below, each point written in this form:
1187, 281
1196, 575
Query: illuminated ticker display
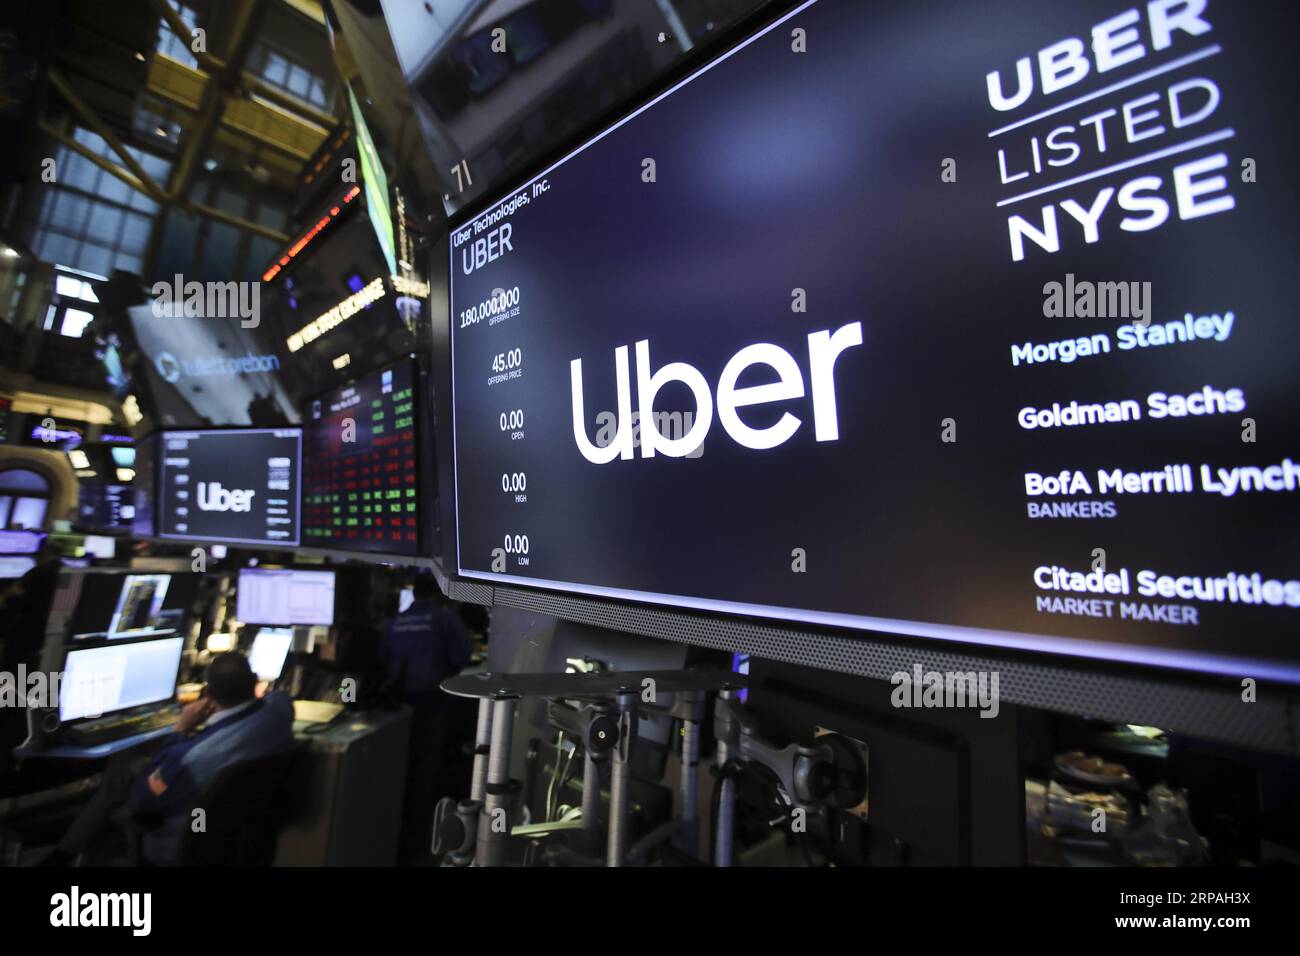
359, 473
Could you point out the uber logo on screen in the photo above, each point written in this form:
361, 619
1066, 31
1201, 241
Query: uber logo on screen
823, 349
212, 497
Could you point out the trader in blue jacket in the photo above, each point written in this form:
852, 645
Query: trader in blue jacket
236, 727
423, 646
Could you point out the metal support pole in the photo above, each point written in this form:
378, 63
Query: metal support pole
616, 848
725, 823
590, 798
494, 824
482, 744
690, 785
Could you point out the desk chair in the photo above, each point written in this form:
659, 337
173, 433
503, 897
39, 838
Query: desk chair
245, 807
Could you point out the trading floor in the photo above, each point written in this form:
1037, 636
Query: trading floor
748, 435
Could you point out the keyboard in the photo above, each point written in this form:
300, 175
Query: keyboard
105, 730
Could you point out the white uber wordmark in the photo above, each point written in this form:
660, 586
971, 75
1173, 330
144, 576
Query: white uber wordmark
213, 497
824, 348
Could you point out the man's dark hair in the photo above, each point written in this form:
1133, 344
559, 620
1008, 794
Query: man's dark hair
230, 680
425, 586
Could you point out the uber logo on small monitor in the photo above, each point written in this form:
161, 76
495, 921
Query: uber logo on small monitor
212, 497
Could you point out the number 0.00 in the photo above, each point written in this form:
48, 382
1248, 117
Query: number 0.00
514, 481
513, 419
516, 544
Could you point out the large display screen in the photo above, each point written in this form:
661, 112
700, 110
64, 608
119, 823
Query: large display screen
236, 485
967, 321
360, 489
203, 370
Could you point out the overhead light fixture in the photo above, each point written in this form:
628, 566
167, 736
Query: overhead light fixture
139, 56
11, 253
209, 164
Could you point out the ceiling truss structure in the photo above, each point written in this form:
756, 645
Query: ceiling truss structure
220, 98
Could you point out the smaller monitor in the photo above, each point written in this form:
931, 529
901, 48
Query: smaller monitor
270, 650
114, 677
284, 597
138, 605
99, 546
361, 465
234, 485
15, 566
123, 457
23, 513
105, 507
112, 605
20, 542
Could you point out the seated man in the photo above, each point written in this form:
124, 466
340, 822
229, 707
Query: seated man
239, 727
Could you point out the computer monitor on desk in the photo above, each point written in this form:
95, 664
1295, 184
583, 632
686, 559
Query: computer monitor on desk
138, 605
280, 597
117, 677
115, 606
270, 650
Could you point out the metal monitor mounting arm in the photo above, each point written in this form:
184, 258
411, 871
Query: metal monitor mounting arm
477, 831
805, 774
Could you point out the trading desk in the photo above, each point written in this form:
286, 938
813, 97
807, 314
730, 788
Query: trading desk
97, 752
345, 799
